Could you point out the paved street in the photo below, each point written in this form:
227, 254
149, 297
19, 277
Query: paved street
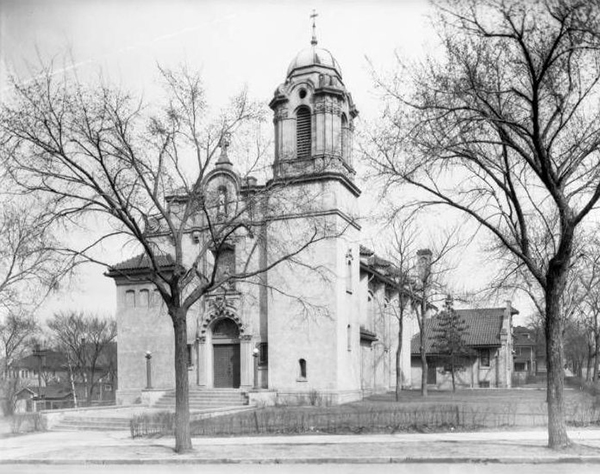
310, 469
89, 448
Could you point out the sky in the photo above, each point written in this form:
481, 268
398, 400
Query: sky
234, 44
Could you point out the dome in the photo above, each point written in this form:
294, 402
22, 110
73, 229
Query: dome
314, 56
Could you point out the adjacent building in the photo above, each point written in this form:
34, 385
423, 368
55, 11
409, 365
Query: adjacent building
489, 336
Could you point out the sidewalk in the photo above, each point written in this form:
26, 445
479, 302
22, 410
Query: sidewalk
81, 447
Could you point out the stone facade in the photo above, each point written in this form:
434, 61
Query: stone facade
322, 326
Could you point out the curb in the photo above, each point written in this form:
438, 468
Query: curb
345, 460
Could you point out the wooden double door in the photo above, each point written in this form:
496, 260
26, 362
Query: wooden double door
226, 365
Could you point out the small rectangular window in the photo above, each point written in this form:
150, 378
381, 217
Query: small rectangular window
189, 355
263, 354
349, 276
484, 357
349, 337
302, 365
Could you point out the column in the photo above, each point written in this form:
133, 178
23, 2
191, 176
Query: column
202, 362
246, 362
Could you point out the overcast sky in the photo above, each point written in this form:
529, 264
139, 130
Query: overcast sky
234, 44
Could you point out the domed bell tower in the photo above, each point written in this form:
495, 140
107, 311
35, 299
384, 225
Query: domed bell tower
313, 118
315, 207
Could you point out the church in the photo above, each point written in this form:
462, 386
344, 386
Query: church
321, 325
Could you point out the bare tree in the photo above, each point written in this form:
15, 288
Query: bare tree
86, 341
588, 276
504, 128
16, 329
142, 168
419, 281
401, 253
29, 266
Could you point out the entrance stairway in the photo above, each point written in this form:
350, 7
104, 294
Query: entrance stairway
205, 399
93, 422
203, 404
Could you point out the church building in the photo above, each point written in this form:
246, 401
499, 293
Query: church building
322, 327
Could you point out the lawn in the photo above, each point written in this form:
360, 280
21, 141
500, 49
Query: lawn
441, 410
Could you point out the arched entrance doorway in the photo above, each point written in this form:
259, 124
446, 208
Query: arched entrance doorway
226, 354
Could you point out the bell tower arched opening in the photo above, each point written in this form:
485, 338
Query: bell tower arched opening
303, 133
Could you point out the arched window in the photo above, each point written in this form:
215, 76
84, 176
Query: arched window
349, 337
303, 133
226, 329
144, 298
370, 307
130, 298
348, 275
302, 367
345, 133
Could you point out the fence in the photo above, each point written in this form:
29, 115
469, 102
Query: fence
286, 421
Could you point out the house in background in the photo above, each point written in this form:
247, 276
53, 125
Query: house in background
53, 365
44, 378
488, 334
50, 397
524, 354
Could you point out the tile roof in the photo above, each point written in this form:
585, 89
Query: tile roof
50, 391
51, 359
366, 251
140, 262
483, 325
523, 338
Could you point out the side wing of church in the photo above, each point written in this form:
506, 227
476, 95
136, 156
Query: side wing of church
322, 323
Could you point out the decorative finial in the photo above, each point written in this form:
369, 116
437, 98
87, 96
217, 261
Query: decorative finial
314, 15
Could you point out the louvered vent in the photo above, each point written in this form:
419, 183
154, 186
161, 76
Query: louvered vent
303, 133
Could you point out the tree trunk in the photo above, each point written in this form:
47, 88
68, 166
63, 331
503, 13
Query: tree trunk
89, 386
399, 366
596, 354
423, 369
453, 379
422, 341
596, 348
72, 382
588, 366
557, 432
399, 349
183, 440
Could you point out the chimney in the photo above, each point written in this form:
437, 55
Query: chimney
424, 263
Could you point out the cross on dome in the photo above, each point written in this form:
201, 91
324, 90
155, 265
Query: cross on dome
314, 15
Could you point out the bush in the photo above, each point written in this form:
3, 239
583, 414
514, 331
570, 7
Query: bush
152, 424
27, 422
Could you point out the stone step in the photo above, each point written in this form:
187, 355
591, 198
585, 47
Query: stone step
205, 399
61, 427
197, 406
123, 424
92, 426
208, 400
96, 419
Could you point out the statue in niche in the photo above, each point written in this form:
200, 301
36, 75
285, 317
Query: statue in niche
222, 202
